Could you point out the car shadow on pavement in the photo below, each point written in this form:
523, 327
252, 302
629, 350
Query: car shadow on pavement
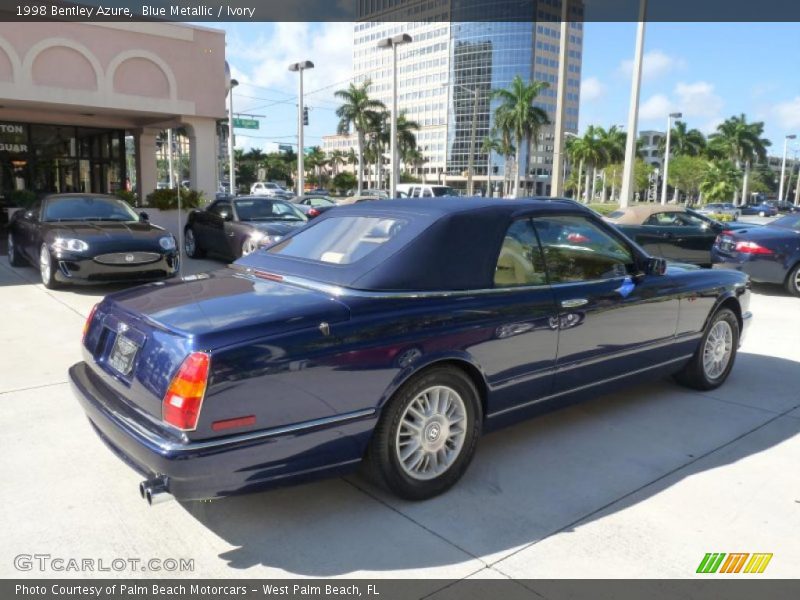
771, 289
553, 474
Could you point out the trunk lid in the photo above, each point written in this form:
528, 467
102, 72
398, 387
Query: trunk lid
162, 323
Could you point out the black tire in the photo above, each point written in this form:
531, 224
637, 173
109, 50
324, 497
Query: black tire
792, 282
14, 257
190, 246
695, 374
383, 463
47, 273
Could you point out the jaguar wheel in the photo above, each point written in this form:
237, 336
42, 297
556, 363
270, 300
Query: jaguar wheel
249, 246
47, 268
190, 245
13, 255
427, 434
714, 358
793, 281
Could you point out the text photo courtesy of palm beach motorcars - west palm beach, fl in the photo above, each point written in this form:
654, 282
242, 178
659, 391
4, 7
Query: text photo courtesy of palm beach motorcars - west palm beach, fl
412, 293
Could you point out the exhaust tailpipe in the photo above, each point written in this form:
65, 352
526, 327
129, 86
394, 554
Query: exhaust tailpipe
154, 490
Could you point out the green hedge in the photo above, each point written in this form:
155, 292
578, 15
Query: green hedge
128, 197
21, 198
603, 209
722, 218
168, 199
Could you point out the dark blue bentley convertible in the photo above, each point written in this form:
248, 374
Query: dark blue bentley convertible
391, 333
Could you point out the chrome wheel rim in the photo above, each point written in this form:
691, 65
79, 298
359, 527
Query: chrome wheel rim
796, 279
248, 246
718, 349
188, 242
431, 433
44, 264
10, 247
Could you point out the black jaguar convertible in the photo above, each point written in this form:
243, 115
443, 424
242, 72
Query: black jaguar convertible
392, 333
90, 238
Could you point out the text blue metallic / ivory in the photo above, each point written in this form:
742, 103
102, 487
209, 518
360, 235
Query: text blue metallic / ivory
392, 334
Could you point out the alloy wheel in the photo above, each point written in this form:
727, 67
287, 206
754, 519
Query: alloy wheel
11, 248
718, 349
189, 244
431, 433
45, 264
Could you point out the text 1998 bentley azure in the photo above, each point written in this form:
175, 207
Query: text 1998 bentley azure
391, 333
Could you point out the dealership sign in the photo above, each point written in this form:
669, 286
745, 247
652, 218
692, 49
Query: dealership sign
13, 138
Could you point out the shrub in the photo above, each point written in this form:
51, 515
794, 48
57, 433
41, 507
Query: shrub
168, 199
128, 197
722, 218
21, 198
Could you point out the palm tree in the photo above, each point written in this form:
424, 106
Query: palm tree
721, 180
316, 160
337, 158
744, 145
683, 141
613, 146
589, 150
518, 115
357, 111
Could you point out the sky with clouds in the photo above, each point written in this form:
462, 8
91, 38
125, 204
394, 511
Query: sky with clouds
707, 71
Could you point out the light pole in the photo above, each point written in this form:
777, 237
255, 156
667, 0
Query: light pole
299, 67
231, 166
626, 194
783, 165
675, 115
393, 42
559, 135
473, 132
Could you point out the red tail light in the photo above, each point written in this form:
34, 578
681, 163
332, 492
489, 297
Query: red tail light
88, 322
184, 397
752, 248
313, 212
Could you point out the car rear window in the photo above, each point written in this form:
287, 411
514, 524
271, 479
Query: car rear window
340, 240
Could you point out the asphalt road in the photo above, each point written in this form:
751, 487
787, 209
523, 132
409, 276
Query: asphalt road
636, 484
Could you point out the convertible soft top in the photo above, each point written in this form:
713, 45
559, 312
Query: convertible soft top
446, 244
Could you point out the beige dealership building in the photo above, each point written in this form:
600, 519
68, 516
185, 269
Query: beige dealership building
83, 105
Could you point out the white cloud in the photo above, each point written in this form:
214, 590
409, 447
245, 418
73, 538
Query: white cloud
655, 64
592, 89
697, 99
655, 107
788, 113
264, 61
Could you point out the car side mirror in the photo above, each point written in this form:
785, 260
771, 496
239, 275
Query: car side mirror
30, 215
655, 266
144, 217
226, 216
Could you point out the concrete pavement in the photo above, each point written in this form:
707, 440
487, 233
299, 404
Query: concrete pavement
636, 484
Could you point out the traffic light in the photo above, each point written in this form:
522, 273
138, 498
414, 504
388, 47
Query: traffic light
305, 115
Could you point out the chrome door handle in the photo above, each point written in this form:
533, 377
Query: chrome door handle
574, 302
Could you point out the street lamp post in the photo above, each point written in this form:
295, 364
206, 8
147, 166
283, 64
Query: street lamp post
231, 165
626, 194
783, 165
559, 138
299, 67
393, 42
675, 115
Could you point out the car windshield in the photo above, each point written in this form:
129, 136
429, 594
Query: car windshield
319, 201
443, 190
703, 218
260, 209
340, 240
89, 208
787, 222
